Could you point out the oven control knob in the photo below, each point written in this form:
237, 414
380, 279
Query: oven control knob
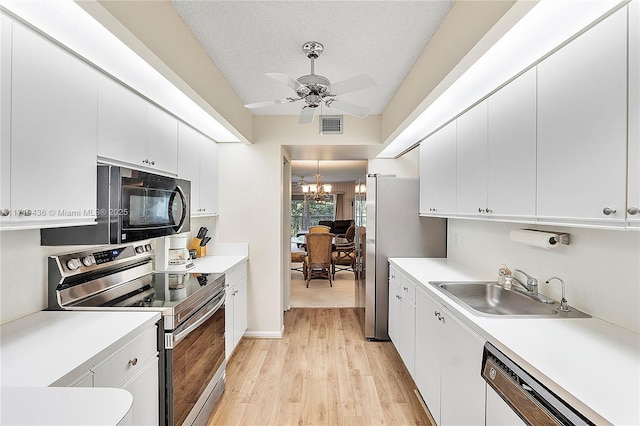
73, 264
88, 260
139, 249
147, 247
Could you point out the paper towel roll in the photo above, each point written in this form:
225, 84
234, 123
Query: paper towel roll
547, 240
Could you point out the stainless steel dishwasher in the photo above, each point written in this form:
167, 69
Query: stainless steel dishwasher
527, 397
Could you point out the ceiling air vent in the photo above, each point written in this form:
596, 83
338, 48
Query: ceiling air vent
331, 125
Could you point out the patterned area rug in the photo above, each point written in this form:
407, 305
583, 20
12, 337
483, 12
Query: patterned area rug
320, 294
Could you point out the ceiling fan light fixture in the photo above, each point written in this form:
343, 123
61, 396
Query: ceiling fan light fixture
315, 89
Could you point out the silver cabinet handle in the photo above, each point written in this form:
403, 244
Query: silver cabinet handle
4, 212
631, 210
481, 210
150, 162
405, 288
488, 210
438, 315
133, 361
608, 210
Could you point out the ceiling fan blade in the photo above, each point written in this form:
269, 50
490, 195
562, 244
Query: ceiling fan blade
284, 79
306, 115
269, 103
349, 108
359, 82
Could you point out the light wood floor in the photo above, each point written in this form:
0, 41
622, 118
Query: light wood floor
322, 372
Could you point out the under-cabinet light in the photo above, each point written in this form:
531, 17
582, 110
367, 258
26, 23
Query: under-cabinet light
546, 26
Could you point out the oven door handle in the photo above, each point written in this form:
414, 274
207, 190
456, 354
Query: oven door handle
177, 337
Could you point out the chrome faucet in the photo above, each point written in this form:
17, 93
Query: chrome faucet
531, 287
532, 284
564, 306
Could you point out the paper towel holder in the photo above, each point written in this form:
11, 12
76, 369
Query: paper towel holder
559, 237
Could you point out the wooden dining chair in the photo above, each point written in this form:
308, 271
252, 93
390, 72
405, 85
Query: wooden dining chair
318, 259
319, 229
343, 257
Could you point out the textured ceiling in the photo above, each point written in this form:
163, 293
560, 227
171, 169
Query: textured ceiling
246, 39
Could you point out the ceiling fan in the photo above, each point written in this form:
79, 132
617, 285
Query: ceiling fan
315, 89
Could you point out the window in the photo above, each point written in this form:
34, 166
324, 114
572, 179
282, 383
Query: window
308, 212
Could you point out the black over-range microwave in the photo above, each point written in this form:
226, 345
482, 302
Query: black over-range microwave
132, 205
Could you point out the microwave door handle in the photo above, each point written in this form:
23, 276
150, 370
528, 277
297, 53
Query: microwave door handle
183, 200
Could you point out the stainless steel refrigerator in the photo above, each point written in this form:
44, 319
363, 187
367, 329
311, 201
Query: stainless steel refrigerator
391, 227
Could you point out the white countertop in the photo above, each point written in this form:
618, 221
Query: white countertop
39, 350
64, 406
593, 364
217, 264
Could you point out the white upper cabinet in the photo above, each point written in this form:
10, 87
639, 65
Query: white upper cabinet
582, 128
133, 131
209, 178
511, 149
198, 163
53, 133
633, 187
438, 172
472, 162
5, 118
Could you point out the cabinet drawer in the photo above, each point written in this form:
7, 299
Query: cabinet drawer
126, 361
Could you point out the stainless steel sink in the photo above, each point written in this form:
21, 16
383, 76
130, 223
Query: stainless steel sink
488, 298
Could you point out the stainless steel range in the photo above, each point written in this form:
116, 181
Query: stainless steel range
122, 277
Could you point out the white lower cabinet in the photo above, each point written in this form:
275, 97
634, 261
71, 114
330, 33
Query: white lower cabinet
402, 316
235, 306
498, 411
133, 367
448, 363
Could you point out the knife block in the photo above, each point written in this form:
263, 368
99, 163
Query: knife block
195, 245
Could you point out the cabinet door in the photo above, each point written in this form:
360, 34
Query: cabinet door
427, 361
472, 161
446, 170
240, 308
189, 162
461, 363
511, 148
582, 126
143, 386
228, 322
162, 139
122, 123
209, 177
6, 27
53, 131
633, 167
428, 170
395, 300
408, 333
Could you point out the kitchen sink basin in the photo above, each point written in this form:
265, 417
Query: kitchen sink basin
488, 298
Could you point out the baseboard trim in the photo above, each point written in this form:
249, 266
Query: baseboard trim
265, 334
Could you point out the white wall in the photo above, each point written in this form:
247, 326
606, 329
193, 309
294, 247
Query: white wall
250, 212
601, 268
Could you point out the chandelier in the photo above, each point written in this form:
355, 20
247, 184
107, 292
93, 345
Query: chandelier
317, 191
